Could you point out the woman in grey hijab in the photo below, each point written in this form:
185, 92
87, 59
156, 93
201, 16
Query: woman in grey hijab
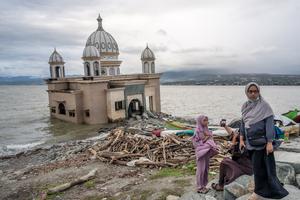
257, 134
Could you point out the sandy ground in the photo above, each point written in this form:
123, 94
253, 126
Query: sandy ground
111, 181
29, 175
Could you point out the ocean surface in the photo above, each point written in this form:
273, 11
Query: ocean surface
25, 121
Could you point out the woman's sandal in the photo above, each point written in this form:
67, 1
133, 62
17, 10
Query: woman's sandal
217, 187
203, 190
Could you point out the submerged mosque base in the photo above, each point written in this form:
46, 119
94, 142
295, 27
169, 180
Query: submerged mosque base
97, 100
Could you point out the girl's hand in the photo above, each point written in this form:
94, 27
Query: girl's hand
206, 138
269, 148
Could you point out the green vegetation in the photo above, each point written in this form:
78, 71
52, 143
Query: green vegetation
185, 170
89, 184
182, 182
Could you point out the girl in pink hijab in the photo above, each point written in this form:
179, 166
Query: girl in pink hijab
205, 148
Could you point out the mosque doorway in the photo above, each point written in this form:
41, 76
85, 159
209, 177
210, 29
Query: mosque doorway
62, 109
135, 108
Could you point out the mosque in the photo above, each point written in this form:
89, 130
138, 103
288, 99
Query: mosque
103, 94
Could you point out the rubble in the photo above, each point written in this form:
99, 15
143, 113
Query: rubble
133, 148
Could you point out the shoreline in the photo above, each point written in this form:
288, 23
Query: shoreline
31, 173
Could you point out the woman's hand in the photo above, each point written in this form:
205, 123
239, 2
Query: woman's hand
269, 148
242, 144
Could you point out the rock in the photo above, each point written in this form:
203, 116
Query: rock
291, 158
211, 195
286, 173
246, 181
208, 197
145, 116
19, 172
241, 186
291, 146
1, 172
298, 180
172, 197
234, 190
294, 193
244, 197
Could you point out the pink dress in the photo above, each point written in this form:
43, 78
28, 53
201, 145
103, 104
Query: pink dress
204, 151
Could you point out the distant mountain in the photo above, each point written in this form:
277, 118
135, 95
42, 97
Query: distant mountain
21, 80
205, 77
195, 77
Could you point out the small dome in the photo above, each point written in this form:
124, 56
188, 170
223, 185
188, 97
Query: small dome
90, 52
56, 57
147, 54
103, 40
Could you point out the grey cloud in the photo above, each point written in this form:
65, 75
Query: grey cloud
263, 50
198, 50
162, 32
132, 50
139, 49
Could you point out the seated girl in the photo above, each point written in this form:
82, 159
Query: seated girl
236, 166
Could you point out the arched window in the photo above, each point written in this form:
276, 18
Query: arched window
62, 109
146, 67
111, 71
103, 71
118, 70
96, 68
152, 67
87, 69
57, 71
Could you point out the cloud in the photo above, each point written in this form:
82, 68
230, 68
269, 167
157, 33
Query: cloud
263, 50
231, 35
162, 32
198, 50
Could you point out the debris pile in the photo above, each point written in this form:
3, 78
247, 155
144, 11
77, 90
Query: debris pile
124, 148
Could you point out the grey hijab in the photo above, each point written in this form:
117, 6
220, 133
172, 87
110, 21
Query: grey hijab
254, 111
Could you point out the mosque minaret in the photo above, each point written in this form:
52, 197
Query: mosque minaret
148, 61
57, 68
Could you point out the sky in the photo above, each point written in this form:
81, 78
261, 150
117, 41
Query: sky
226, 36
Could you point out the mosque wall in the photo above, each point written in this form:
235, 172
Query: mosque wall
94, 102
66, 106
115, 104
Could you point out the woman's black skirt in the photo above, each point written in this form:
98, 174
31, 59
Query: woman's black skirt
266, 182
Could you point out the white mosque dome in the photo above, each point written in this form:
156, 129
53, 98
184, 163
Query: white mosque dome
90, 52
103, 41
147, 54
56, 57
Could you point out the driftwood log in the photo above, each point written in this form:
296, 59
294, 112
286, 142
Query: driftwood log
68, 185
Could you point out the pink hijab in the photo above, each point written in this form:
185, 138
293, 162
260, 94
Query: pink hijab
200, 129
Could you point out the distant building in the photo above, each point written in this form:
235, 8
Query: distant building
103, 94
